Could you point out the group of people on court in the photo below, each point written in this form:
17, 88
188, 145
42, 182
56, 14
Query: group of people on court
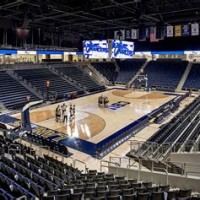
103, 101
62, 115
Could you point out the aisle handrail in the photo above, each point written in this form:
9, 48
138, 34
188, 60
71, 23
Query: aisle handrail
79, 161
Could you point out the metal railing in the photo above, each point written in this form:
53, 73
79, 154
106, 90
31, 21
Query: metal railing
102, 165
81, 162
14, 148
22, 198
178, 168
165, 170
158, 151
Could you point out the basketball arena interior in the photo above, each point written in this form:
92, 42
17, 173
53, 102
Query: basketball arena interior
99, 99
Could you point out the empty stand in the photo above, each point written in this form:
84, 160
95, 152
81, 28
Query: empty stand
164, 73
79, 76
31, 175
192, 81
107, 69
13, 94
38, 78
128, 68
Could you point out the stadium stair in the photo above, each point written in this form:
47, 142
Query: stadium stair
180, 134
66, 78
138, 73
158, 165
184, 77
86, 70
81, 76
13, 94
24, 83
97, 75
107, 69
160, 76
192, 82
38, 78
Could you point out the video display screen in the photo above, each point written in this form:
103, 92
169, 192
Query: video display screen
95, 49
122, 49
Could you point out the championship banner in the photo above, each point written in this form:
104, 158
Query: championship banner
128, 34
119, 35
186, 30
170, 31
116, 37
195, 29
153, 34
177, 31
122, 36
134, 34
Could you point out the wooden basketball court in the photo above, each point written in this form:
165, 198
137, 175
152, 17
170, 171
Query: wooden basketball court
93, 123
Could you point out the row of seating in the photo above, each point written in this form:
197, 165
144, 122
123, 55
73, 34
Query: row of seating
180, 130
52, 144
49, 178
38, 78
128, 68
163, 73
107, 69
13, 94
81, 77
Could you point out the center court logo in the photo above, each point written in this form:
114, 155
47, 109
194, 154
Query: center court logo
119, 104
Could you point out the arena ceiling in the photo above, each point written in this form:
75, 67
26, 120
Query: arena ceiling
95, 16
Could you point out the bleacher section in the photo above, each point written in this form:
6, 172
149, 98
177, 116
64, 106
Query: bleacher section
12, 94
128, 68
38, 78
192, 81
80, 77
181, 132
33, 176
107, 69
163, 73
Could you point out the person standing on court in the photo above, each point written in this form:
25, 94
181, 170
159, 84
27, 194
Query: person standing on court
74, 111
58, 113
70, 113
65, 116
63, 107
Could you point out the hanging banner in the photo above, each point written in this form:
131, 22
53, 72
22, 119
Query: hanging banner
177, 31
170, 31
186, 30
134, 34
128, 34
122, 36
116, 37
153, 34
119, 35
195, 29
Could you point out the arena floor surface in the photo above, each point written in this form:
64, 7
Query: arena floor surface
93, 123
